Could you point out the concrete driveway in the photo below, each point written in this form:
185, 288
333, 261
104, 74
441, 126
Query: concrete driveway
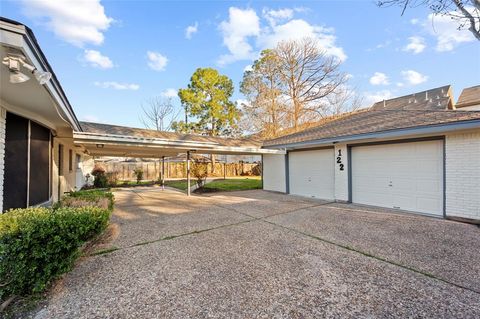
256, 254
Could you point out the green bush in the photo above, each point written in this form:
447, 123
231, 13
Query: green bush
138, 172
39, 244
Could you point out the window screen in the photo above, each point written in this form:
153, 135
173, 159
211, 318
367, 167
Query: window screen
39, 164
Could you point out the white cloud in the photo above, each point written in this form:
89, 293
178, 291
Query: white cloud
413, 77
297, 29
373, 97
415, 45
169, 93
77, 22
243, 28
190, 30
248, 67
241, 25
157, 61
414, 21
274, 16
117, 86
446, 31
379, 78
98, 60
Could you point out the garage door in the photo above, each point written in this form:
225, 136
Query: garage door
312, 173
406, 176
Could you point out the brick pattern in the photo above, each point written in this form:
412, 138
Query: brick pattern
463, 175
2, 152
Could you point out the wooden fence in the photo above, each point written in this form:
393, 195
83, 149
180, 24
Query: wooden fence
152, 170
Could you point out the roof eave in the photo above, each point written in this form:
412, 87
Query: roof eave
396, 133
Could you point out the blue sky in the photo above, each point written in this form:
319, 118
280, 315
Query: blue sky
111, 56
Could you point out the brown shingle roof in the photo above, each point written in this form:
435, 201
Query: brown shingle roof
469, 96
437, 99
373, 121
431, 107
99, 128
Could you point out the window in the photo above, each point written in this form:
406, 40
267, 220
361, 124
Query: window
70, 160
78, 160
60, 159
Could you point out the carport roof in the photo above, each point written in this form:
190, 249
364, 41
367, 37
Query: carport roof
107, 129
113, 140
400, 114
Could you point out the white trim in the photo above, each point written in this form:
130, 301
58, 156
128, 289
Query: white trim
28, 162
133, 141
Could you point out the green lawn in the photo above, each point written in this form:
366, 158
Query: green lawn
237, 184
133, 183
179, 184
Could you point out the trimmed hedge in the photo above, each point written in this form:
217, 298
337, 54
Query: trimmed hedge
39, 244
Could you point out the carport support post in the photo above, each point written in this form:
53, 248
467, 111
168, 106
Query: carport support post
163, 172
188, 173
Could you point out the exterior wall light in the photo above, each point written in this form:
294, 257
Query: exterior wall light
15, 62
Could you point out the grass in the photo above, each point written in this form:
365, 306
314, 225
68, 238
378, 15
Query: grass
180, 184
134, 183
234, 184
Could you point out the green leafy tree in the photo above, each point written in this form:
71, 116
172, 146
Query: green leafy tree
207, 98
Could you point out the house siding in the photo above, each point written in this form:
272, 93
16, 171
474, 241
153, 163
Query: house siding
274, 178
463, 175
3, 123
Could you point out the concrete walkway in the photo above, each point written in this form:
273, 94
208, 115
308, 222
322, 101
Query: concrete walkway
257, 254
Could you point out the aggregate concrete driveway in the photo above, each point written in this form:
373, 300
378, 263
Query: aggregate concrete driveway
256, 254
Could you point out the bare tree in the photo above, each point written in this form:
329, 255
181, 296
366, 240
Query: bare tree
344, 99
465, 12
310, 75
262, 86
159, 114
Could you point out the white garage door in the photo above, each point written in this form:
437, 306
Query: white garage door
312, 173
406, 176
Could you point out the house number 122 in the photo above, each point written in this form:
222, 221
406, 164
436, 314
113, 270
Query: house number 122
339, 160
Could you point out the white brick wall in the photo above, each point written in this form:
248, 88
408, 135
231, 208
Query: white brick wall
3, 115
274, 173
463, 175
341, 176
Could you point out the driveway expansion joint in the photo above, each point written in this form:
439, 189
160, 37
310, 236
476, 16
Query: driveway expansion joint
366, 254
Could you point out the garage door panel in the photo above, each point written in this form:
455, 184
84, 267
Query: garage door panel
408, 176
312, 173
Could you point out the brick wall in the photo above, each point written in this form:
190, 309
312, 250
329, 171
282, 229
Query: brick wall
463, 175
2, 152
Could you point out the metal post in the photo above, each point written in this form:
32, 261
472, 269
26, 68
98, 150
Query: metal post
188, 173
163, 172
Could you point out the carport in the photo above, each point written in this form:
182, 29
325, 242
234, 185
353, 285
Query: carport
97, 139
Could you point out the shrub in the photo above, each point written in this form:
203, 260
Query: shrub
138, 172
39, 244
100, 180
200, 172
112, 178
94, 197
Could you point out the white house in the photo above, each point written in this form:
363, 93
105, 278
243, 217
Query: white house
38, 160
45, 151
417, 153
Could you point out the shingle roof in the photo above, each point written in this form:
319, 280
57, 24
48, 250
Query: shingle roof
99, 128
432, 107
437, 99
469, 96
